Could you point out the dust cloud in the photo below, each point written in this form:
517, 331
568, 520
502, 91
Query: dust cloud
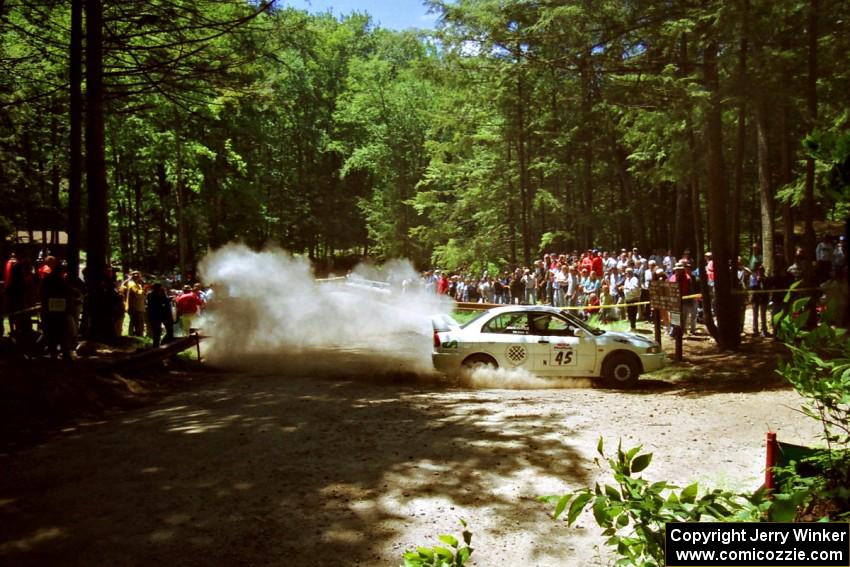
269, 313
515, 379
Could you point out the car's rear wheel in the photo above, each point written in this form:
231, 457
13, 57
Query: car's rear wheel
621, 370
480, 361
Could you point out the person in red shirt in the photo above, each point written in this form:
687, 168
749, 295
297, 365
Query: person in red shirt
47, 268
189, 305
7, 274
596, 264
586, 262
682, 276
443, 284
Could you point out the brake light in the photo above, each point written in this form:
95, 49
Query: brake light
436, 339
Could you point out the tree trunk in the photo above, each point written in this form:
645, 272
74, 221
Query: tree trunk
785, 179
587, 151
97, 231
812, 108
741, 140
522, 160
163, 190
55, 179
682, 227
180, 208
809, 274
75, 158
765, 187
728, 335
138, 225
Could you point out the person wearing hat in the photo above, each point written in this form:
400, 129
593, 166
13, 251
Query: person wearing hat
681, 275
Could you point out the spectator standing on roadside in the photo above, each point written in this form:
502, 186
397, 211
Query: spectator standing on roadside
631, 295
597, 265
615, 283
159, 314
571, 292
115, 292
839, 256
498, 291
56, 310
823, 255
586, 262
443, 285
517, 288
607, 302
558, 281
689, 313
759, 300
134, 303
529, 281
645, 279
188, 308
668, 262
6, 300
756, 259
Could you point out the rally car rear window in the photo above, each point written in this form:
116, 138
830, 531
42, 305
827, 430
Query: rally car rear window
507, 323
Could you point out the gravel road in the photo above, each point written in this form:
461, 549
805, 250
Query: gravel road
294, 471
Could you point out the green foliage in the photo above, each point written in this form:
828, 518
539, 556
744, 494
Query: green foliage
514, 128
819, 369
633, 511
455, 555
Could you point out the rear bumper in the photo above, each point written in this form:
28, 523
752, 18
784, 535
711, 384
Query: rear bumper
447, 363
652, 362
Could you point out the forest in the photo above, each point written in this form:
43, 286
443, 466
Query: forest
154, 131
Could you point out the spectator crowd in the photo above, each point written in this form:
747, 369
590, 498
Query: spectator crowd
615, 284
43, 304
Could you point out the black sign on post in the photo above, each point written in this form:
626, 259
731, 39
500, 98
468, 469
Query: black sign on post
665, 295
668, 296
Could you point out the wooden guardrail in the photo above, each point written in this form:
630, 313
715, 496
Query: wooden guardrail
150, 356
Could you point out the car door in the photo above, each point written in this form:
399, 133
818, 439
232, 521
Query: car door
506, 338
557, 351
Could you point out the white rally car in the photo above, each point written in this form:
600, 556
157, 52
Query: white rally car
546, 341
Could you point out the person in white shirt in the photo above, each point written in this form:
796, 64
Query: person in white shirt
560, 284
530, 281
631, 293
648, 276
823, 254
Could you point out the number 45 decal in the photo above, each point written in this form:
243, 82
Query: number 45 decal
563, 358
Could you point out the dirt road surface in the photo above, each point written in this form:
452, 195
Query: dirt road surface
294, 471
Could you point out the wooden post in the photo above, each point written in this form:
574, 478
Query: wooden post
656, 319
769, 481
680, 330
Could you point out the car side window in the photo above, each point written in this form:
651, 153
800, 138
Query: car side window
507, 323
560, 327
551, 325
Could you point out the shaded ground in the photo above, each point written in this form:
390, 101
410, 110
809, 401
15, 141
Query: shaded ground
289, 470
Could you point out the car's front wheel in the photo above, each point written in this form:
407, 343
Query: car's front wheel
479, 361
621, 370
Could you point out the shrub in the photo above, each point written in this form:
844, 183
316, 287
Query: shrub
453, 556
633, 511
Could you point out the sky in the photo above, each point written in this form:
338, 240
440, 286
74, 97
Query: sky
391, 14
